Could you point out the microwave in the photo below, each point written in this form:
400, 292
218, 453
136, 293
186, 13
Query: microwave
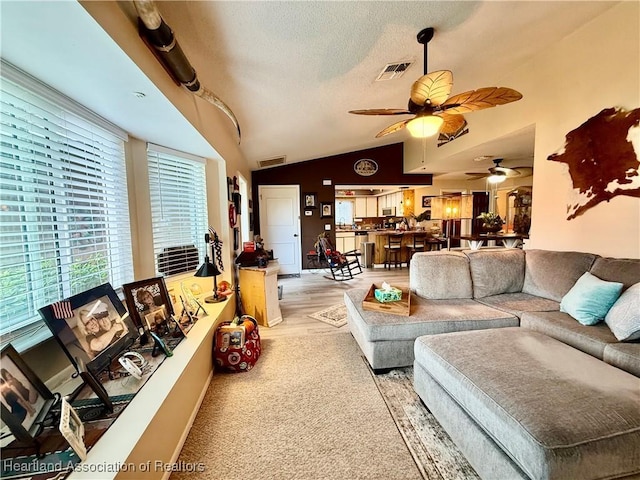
388, 211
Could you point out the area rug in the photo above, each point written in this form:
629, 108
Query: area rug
335, 315
435, 454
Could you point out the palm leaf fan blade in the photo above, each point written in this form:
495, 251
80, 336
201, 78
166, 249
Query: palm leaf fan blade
480, 99
393, 128
435, 87
453, 124
381, 111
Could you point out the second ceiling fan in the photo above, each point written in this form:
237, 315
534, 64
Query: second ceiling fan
433, 110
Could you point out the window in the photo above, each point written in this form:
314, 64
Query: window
179, 220
63, 202
344, 212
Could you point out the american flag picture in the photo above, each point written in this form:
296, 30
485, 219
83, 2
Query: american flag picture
62, 310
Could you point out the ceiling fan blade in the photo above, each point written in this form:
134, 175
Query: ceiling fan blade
434, 87
477, 176
393, 128
453, 124
480, 99
381, 111
524, 171
507, 172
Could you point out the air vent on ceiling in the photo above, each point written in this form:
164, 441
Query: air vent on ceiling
272, 162
393, 70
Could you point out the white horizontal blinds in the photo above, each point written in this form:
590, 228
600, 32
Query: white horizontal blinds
177, 186
63, 206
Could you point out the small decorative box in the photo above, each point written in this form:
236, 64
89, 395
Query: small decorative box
392, 295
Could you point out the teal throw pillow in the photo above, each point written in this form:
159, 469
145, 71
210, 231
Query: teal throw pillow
590, 299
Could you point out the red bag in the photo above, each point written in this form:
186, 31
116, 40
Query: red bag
237, 348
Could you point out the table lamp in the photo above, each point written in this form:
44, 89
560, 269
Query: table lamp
209, 269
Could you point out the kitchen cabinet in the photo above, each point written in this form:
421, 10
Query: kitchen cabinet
372, 207
345, 241
360, 207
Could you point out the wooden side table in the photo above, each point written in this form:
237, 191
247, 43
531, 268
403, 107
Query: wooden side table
259, 293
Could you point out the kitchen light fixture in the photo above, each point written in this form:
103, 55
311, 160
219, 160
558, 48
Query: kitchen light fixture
424, 126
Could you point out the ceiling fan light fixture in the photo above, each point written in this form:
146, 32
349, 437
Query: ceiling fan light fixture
425, 126
496, 178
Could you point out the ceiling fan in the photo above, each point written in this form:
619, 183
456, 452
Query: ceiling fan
432, 109
498, 173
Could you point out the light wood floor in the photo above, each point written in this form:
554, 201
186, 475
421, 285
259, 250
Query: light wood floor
312, 292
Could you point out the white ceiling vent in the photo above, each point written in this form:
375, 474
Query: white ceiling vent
393, 70
272, 162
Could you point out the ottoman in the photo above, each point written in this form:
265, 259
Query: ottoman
520, 404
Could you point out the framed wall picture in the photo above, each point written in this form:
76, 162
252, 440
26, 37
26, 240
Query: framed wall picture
326, 210
310, 201
92, 327
149, 304
24, 399
426, 201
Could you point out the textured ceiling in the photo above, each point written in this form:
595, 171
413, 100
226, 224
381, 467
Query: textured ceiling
290, 71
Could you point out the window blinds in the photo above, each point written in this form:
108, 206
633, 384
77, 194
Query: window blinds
177, 186
63, 203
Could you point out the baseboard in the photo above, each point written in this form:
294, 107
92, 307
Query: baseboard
185, 433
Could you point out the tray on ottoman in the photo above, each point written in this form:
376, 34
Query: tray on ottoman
401, 307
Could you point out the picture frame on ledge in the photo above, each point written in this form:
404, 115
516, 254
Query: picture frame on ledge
93, 327
25, 400
326, 209
149, 304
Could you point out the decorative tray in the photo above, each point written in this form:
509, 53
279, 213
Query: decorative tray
401, 307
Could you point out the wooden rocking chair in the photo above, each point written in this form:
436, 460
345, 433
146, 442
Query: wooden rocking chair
343, 266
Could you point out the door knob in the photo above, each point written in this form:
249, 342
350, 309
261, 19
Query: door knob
295, 234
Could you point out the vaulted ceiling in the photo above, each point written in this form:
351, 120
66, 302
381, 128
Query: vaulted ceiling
290, 71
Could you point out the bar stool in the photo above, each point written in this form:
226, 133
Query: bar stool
418, 245
393, 248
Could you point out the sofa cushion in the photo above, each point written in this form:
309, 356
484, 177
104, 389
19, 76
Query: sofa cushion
518, 303
590, 299
625, 356
551, 274
624, 317
557, 412
428, 317
496, 271
440, 275
562, 326
625, 270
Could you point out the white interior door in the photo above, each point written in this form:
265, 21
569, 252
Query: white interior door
280, 224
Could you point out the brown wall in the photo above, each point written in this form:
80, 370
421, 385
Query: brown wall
339, 169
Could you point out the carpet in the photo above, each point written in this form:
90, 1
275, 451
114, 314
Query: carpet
335, 315
435, 454
308, 410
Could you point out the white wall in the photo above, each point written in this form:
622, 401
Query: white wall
596, 67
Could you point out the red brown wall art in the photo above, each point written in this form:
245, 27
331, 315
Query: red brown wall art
603, 155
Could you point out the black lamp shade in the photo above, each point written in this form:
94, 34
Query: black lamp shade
207, 269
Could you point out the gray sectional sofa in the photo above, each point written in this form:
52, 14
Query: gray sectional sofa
523, 389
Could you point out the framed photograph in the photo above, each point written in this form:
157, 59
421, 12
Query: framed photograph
229, 189
72, 429
310, 200
426, 201
326, 210
24, 399
149, 304
308, 213
92, 327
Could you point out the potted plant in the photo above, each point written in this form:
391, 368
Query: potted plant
491, 221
